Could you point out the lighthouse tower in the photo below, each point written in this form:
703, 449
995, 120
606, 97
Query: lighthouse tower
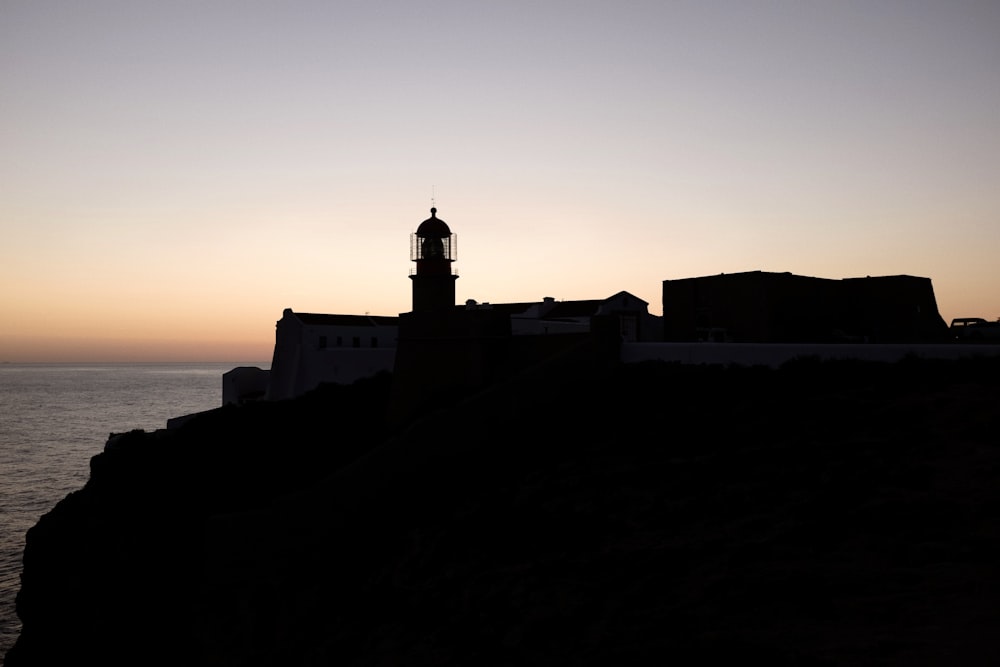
442, 350
433, 247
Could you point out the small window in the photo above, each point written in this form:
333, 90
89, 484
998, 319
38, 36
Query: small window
357, 341
340, 341
322, 342
374, 341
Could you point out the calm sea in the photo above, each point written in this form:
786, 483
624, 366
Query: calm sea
55, 417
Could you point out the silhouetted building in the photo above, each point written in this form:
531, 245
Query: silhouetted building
444, 349
548, 316
761, 307
440, 349
312, 348
437, 344
243, 384
433, 248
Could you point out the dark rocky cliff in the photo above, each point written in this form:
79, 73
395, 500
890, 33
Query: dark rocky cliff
833, 513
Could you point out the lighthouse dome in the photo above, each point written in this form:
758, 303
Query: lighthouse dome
433, 227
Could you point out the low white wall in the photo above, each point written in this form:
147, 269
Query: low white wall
775, 354
243, 381
343, 365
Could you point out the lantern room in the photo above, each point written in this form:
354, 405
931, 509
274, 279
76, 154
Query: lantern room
433, 247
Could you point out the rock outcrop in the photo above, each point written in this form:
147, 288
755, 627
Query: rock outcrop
825, 513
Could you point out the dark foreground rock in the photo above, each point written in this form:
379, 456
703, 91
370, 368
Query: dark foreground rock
821, 514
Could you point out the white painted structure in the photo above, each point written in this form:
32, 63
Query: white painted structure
312, 348
244, 383
549, 316
775, 354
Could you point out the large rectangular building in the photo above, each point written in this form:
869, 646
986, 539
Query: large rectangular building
763, 307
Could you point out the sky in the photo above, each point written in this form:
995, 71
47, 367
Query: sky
173, 175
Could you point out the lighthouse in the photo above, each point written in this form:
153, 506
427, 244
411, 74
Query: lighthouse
443, 350
433, 247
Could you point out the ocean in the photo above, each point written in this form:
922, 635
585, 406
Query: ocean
55, 417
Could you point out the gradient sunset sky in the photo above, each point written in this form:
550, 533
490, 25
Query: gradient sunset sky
173, 174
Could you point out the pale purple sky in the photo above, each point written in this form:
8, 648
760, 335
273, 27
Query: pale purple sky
174, 174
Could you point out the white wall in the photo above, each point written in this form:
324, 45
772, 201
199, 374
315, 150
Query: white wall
775, 354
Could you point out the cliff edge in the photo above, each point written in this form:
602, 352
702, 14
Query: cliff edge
834, 513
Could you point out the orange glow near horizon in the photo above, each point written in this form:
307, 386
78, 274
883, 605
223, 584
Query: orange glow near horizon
103, 350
